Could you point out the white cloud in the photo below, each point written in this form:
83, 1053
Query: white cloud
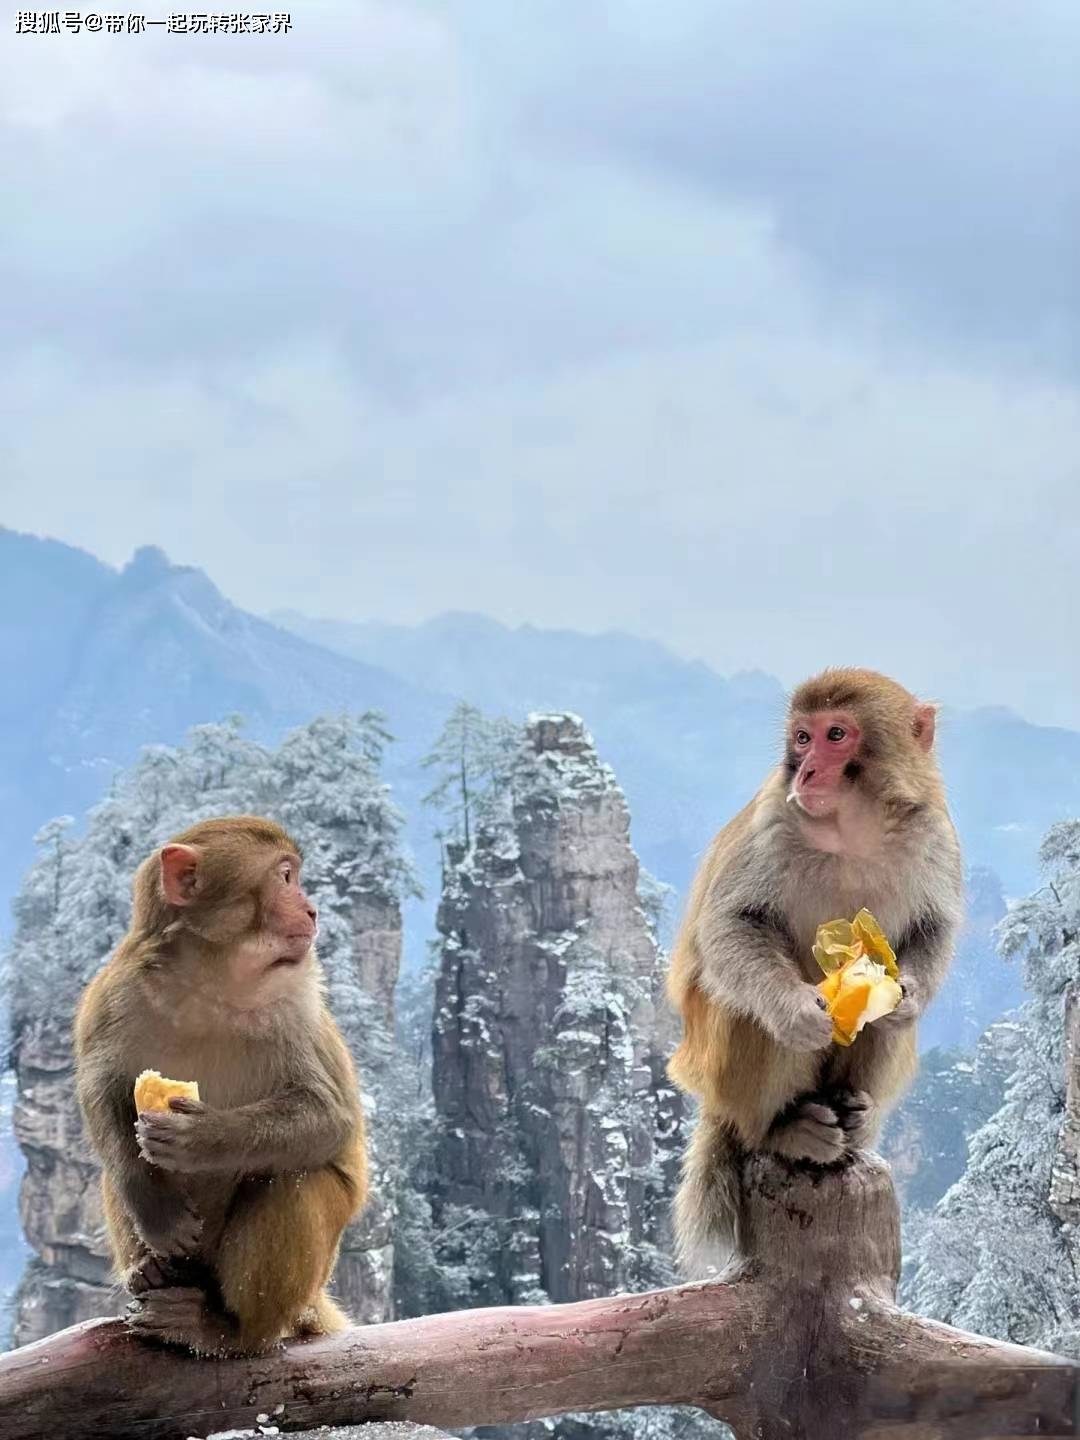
747, 500
424, 307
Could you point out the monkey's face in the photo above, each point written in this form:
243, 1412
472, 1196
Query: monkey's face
245, 902
286, 915
822, 760
278, 945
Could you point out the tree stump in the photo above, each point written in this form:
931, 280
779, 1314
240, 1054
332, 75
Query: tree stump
835, 1358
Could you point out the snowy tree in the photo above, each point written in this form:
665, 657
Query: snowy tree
328, 795
471, 759
324, 784
999, 1254
657, 899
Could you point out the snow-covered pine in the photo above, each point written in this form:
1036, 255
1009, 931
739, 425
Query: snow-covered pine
999, 1253
324, 784
471, 760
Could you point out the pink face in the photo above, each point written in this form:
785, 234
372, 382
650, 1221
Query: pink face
821, 746
289, 917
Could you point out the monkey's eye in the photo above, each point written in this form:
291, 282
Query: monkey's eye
802, 737
837, 732
287, 874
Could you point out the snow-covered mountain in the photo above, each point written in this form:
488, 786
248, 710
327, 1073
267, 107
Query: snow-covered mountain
99, 663
690, 746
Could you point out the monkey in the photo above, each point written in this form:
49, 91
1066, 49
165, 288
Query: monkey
853, 816
223, 1215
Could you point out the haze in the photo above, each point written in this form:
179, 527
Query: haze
749, 329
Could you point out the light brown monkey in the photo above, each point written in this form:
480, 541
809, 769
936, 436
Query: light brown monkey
224, 1214
854, 815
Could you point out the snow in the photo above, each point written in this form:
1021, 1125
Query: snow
997, 1254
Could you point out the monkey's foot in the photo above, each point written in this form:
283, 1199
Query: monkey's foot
164, 1272
858, 1114
180, 1315
811, 1131
152, 1272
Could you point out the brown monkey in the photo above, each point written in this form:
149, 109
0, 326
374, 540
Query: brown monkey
223, 1214
854, 816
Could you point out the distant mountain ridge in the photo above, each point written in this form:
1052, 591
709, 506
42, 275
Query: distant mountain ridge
99, 662
690, 746
104, 661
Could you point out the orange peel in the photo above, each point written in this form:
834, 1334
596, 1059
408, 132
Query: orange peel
862, 979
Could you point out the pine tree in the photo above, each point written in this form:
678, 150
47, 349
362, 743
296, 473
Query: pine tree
471, 757
998, 1255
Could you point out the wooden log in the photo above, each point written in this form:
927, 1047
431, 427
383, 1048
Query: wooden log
837, 1359
465, 1368
807, 1344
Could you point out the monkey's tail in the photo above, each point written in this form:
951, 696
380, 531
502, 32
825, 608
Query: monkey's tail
323, 1317
708, 1204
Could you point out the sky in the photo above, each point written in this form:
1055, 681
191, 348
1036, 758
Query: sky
751, 328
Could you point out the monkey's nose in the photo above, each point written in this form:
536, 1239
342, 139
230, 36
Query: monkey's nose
313, 914
808, 774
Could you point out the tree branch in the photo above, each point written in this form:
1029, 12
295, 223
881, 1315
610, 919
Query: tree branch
806, 1344
465, 1368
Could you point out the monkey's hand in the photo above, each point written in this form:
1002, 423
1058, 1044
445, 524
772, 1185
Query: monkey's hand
907, 1011
858, 1114
801, 1021
180, 1138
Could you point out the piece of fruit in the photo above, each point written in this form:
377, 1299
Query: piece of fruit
861, 975
153, 1091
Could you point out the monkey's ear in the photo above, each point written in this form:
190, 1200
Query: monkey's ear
179, 873
924, 725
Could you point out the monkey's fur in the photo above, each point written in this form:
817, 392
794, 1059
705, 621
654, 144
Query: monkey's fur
755, 1048
229, 1237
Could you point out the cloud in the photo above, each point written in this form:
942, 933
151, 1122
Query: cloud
745, 500
436, 184
923, 156
750, 332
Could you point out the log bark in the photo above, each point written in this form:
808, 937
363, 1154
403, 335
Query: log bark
839, 1359
806, 1342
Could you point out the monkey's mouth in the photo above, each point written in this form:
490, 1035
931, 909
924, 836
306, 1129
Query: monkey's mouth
816, 803
292, 958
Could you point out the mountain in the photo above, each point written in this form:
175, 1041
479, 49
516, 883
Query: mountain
103, 662
690, 746
100, 662
550, 1039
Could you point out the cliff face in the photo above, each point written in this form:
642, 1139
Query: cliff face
59, 1201
925, 1139
1065, 1169
72, 912
361, 995
559, 1132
